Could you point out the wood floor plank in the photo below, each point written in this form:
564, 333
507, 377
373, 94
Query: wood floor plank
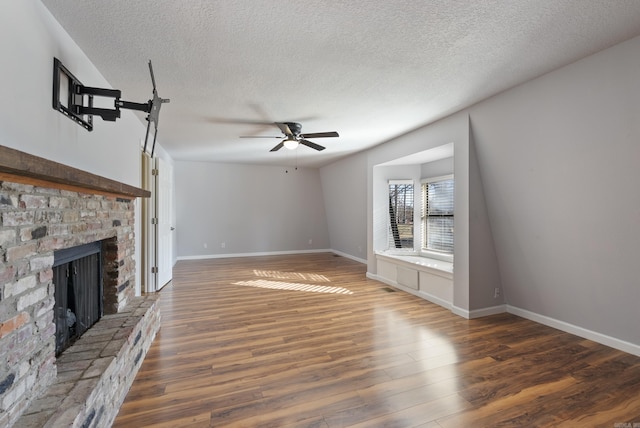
309, 341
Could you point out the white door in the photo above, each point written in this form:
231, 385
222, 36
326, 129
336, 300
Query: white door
164, 222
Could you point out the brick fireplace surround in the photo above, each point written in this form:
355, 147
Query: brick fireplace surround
45, 206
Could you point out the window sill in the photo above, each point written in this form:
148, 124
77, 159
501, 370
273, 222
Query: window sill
420, 262
436, 256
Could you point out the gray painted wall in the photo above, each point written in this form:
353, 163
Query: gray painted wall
249, 208
344, 187
484, 270
559, 158
557, 162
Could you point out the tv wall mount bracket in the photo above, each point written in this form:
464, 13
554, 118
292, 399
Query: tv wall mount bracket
76, 101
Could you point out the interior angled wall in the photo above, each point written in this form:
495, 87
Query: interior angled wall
486, 294
344, 189
559, 159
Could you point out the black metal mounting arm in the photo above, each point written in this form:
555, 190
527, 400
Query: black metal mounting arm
145, 107
75, 100
107, 114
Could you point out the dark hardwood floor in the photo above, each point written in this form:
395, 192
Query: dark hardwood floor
309, 341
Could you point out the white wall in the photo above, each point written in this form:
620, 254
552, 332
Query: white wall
250, 208
29, 40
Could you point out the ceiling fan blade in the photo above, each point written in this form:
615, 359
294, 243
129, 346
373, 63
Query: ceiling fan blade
278, 146
311, 144
258, 136
320, 135
284, 128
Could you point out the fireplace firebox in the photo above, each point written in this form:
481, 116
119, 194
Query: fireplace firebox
77, 276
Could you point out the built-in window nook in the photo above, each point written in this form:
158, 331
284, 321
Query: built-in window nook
72, 331
413, 227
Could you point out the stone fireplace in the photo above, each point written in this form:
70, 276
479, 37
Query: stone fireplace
41, 213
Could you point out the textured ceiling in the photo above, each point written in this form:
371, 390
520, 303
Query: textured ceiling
369, 69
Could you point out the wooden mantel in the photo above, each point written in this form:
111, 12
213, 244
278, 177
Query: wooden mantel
21, 167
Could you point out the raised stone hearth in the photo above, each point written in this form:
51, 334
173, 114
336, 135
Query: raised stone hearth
96, 372
87, 383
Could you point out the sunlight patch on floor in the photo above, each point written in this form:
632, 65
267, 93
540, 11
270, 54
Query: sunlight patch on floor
280, 285
291, 275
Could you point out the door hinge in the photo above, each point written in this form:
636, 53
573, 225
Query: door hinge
154, 171
154, 269
154, 221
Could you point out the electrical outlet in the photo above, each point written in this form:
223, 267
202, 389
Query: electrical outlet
310, 241
496, 293
223, 244
205, 245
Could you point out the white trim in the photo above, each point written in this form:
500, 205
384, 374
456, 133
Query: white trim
435, 299
479, 313
349, 256
485, 312
439, 178
464, 313
430, 254
425, 264
401, 181
603, 339
266, 253
426, 296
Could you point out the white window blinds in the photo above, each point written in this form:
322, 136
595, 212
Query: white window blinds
437, 215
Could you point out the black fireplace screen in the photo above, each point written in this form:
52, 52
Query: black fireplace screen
77, 275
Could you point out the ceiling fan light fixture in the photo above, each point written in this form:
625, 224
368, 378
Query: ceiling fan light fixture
290, 143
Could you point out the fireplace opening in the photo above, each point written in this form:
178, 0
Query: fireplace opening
77, 276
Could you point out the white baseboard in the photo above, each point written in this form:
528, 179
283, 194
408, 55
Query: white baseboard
349, 256
373, 276
613, 342
435, 299
478, 313
267, 253
430, 297
271, 253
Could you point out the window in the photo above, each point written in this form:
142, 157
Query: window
437, 214
401, 214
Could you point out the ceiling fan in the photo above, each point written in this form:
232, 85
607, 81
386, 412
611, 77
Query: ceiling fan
293, 137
